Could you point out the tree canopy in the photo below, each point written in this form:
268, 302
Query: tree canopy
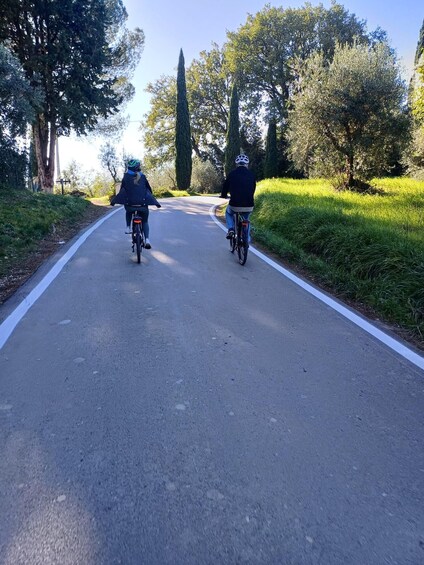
17, 101
418, 80
208, 95
78, 54
232, 147
266, 52
347, 117
17, 97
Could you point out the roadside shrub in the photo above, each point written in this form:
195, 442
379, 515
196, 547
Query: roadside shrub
205, 178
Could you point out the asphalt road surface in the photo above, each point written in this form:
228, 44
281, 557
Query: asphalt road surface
192, 411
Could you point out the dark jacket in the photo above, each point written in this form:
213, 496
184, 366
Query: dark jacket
241, 185
133, 193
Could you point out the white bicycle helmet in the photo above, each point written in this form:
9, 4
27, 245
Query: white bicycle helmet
242, 159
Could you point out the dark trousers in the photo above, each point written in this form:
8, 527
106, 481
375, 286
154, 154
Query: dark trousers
143, 212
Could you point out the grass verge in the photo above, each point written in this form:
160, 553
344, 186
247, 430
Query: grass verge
169, 193
31, 227
369, 249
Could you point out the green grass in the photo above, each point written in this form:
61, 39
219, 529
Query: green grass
367, 248
162, 192
100, 200
26, 218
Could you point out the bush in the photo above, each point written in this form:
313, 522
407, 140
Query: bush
162, 178
205, 178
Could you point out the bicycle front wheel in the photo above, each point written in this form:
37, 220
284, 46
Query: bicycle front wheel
242, 252
232, 241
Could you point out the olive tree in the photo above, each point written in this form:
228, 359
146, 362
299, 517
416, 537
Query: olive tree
347, 117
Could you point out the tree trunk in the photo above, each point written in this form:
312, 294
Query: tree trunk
349, 170
45, 143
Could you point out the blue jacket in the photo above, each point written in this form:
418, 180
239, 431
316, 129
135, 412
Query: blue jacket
135, 193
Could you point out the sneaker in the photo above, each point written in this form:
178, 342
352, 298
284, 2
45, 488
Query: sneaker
147, 244
230, 234
128, 230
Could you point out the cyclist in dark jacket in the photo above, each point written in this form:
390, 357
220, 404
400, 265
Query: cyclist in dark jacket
136, 191
241, 185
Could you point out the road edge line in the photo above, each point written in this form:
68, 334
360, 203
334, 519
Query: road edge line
368, 327
10, 323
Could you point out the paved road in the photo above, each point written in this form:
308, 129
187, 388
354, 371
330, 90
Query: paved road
191, 411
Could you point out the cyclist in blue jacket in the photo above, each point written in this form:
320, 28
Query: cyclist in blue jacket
136, 191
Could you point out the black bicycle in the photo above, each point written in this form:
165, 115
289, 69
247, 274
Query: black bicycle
239, 241
138, 239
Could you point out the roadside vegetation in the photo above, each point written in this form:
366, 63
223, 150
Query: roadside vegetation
368, 248
27, 218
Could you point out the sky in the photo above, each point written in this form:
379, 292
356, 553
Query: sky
193, 26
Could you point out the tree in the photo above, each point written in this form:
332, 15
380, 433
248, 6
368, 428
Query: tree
348, 117
271, 156
183, 163
252, 145
232, 148
417, 83
267, 51
100, 186
110, 161
78, 54
415, 153
209, 91
159, 123
418, 93
73, 175
17, 99
208, 94
420, 46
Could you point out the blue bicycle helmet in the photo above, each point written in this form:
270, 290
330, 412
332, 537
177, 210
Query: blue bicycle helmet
134, 165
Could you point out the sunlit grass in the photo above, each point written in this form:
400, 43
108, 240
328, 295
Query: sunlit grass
368, 247
26, 218
169, 193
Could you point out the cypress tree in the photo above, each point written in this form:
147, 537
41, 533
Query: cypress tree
232, 148
183, 163
271, 154
420, 45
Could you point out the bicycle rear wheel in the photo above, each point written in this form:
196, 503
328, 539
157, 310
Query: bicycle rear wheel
138, 243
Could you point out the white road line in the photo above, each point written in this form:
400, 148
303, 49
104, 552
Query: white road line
390, 342
10, 323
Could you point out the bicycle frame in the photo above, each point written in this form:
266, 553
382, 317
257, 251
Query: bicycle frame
240, 239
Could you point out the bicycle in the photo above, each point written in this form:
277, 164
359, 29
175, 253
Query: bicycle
240, 238
138, 239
